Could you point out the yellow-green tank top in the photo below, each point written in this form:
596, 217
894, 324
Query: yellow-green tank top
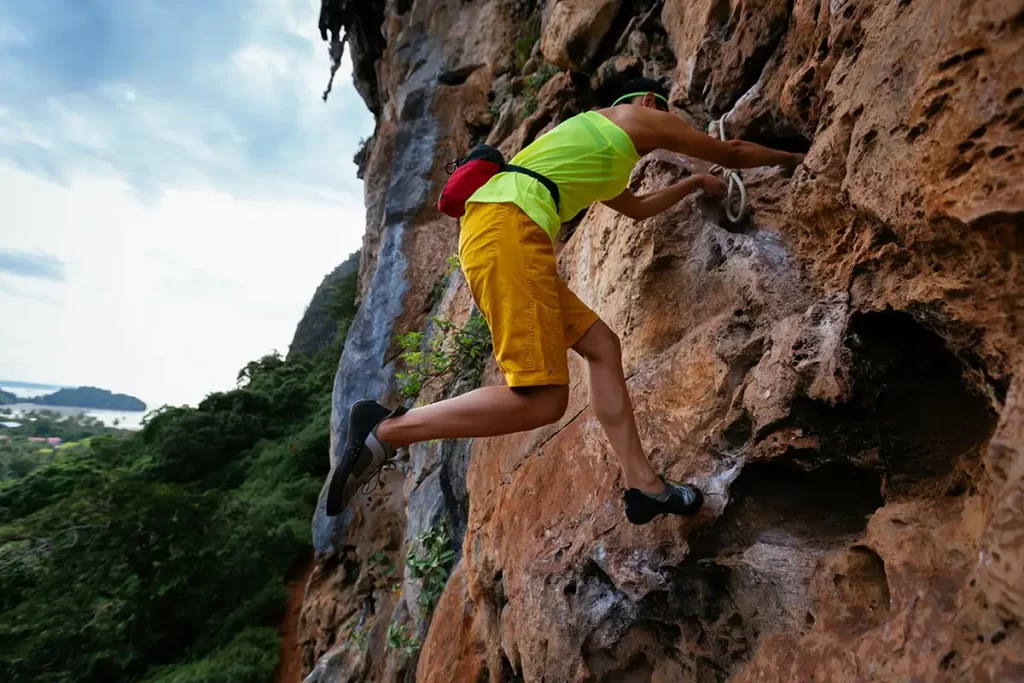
587, 156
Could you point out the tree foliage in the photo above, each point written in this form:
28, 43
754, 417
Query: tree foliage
161, 555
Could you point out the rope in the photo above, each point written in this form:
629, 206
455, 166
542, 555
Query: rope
732, 177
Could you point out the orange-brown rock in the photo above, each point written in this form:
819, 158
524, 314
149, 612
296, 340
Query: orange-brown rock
842, 371
574, 30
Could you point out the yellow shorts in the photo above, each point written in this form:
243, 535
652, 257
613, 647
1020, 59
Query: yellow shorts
509, 262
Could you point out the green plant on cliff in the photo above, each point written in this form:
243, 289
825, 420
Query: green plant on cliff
430, 565
456, 354
531, 87
541, 76
362, 156
529, 105
437, 291
402, 639
358, 636
380, 559
525, 42
454, 263
495, 107
342, 306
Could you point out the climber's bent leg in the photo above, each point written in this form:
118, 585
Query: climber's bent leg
375, 432
609, 398
488, 411
647, 495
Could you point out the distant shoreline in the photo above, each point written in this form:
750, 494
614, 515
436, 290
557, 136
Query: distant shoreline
26, 406
130, 420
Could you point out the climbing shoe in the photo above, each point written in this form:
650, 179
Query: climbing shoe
364, 456
676, 499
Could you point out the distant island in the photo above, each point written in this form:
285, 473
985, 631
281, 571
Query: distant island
81, 397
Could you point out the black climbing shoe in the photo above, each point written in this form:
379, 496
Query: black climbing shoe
676, 499
364, 456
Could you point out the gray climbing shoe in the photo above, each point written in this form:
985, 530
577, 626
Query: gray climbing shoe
364, 456
676, 499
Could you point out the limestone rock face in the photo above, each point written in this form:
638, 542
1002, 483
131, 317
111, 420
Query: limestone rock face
574, 30
842, 372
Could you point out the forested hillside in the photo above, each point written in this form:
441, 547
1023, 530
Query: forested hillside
44, 435
319, 325
161, 556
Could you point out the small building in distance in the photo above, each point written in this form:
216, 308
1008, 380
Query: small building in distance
51, 440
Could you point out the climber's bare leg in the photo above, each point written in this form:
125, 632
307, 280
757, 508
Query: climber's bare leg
488, 411
609, 398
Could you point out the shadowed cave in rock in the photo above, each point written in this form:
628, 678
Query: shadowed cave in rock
911, 414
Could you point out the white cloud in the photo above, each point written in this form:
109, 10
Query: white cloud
164, 300
80, 128
257, 59
241, 109
11, 35
194, 197
14, 129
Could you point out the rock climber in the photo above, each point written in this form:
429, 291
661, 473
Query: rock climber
506, 248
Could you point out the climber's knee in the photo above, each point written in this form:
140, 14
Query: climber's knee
599, 344
547, 404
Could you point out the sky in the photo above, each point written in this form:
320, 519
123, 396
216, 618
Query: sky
172, 188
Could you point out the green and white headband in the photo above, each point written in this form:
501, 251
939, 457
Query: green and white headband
640, 94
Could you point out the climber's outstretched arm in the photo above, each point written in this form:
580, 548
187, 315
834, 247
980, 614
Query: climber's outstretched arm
664, 130
645, 206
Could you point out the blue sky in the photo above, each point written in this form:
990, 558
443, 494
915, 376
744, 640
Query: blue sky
172, 188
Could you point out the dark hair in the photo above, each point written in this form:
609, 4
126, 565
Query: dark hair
636, 85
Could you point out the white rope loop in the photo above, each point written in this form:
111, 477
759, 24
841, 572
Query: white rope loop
733, 178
